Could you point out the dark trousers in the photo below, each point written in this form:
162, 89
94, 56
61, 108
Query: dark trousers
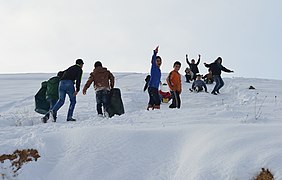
188, 77
218, 83
176, 102
103, 100
154, 98
52, 104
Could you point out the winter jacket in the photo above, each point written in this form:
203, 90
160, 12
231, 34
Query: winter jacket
199, 83
52, 88
193, 67
155, 73
102, 78
216, 68
174, 81
73, 73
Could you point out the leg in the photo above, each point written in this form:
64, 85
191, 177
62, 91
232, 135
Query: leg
61, 101
173, 96
177, 99
221, 84
217, 84
106, 101
70, 92
151, 96
99, 102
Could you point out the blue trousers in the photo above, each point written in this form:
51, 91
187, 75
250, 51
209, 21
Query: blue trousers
218, 83
66, 87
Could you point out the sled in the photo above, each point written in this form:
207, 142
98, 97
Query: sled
116, 105
41, 104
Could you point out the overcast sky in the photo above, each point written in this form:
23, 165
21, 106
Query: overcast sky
48, 36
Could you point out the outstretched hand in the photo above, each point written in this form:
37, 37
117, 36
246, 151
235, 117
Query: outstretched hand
157, 49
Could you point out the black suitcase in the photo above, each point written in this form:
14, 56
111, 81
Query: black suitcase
116, 105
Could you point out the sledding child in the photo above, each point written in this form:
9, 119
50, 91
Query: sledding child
188, 75
208, 78
164, 93
174, 83
103, 80
193, 65
216, 69
199, 85
153, 87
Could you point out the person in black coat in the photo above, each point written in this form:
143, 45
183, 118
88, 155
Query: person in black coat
216, 69
193, 65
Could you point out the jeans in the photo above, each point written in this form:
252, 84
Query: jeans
102, 99
218, 83
154, 96
66, 87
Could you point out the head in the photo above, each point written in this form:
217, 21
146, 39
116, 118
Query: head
219, 60
159, 61
193, 61
60, 74
79, 62
97, 64
198, 77
177, 65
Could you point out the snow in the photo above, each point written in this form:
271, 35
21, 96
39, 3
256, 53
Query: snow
229, 136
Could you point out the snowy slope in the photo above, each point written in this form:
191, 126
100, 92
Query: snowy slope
229, 136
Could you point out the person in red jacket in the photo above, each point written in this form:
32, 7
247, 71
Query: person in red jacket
174, 83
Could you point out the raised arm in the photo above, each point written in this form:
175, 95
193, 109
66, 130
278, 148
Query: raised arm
187, 60
155, 55
198, 62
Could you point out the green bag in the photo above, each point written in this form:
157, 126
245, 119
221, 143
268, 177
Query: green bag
41, 104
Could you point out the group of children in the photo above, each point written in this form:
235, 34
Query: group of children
174, 80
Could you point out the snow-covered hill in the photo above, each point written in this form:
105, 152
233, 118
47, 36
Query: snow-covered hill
229, 136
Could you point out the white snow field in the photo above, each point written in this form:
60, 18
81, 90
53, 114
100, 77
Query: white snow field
230, 136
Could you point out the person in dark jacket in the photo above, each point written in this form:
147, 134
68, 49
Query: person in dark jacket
52, 94
153, 87
103, 80
199, 85
216, 67
193, 66
69, 85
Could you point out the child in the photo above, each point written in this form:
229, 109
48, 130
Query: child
153, 86
165, 95
208, 78
188, 74
174, 83
198, 85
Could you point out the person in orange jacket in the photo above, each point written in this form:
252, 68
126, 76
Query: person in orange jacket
174, 83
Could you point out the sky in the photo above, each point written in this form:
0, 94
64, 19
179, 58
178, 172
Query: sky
48, 36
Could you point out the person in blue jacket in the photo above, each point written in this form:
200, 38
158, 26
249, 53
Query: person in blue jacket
216, 69
155, 79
